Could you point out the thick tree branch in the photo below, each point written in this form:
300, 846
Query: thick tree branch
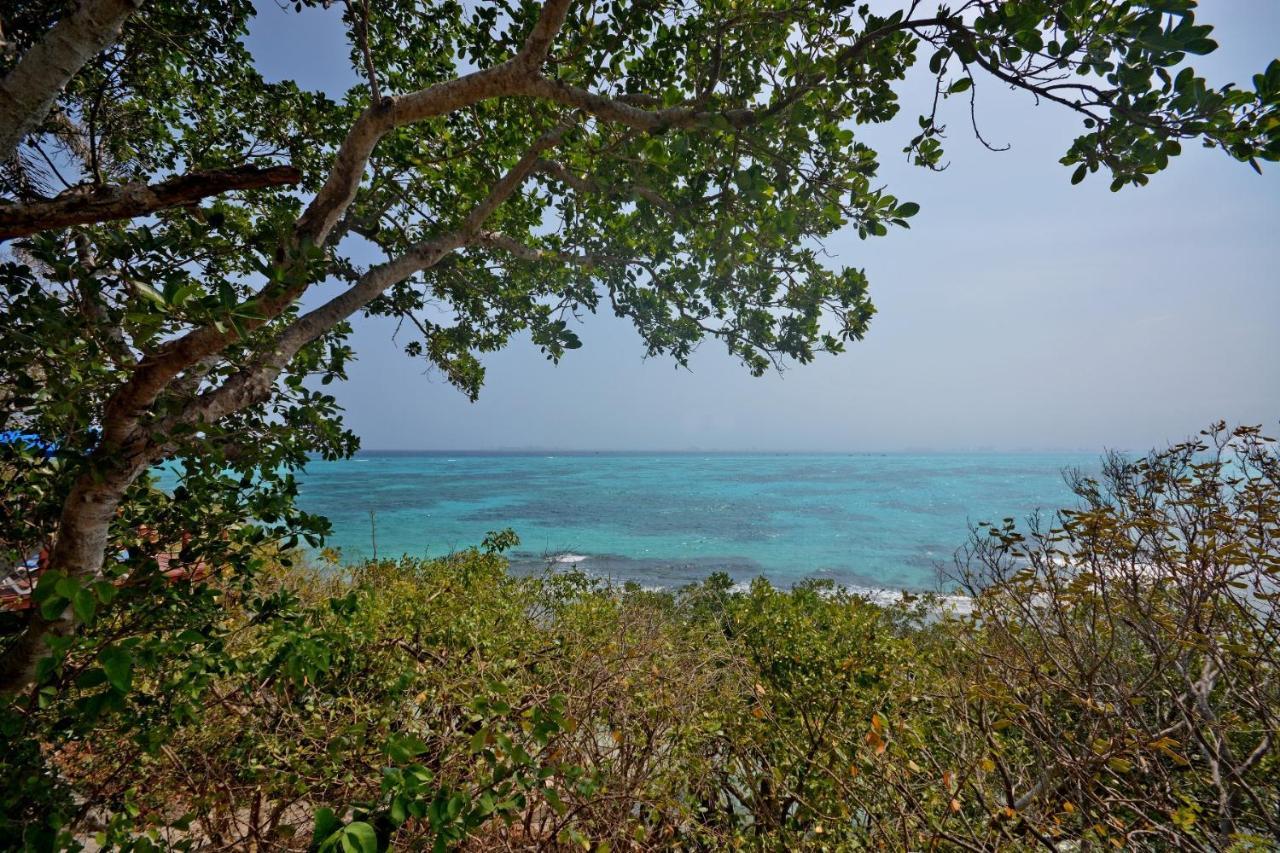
253, 383
504, 79
127, 448
28, 91
86, 205
156, 372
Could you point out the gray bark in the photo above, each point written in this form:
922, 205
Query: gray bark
79, 551
127, 449
28, 91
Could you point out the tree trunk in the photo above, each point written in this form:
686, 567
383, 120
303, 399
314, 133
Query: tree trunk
28, 91
79, 551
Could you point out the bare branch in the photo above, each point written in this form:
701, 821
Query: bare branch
360, 20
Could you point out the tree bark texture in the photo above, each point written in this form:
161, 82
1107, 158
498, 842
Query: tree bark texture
28, 91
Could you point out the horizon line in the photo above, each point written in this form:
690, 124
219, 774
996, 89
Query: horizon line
742, 450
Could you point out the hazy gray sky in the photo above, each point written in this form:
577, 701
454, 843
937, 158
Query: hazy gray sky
1018, 312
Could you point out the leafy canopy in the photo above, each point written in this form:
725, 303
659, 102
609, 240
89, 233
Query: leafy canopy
516, 164
706, 152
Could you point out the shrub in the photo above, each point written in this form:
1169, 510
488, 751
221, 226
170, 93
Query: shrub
1113, 682
1124, 659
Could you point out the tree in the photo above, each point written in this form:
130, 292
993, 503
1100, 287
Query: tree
27, 95
515, 164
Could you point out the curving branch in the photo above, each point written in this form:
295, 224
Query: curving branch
28, 91
253, 382
153, 375
90, 204
126, 447
379, 119
518, 76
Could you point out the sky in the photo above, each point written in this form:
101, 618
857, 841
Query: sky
1017, 313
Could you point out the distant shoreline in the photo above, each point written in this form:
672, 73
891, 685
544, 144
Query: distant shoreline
571, 562
881, 596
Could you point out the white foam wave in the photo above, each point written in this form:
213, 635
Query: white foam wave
959, 604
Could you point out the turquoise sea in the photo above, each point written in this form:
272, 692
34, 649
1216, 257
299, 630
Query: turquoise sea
885, 521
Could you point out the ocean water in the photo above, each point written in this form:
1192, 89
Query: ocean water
886, 521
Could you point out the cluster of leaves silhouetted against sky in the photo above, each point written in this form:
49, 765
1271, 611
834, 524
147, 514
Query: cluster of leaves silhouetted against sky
690, 232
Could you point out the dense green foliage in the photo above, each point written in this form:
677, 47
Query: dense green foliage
511, 165
1114, 682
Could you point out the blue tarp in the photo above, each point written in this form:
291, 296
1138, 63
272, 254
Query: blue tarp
28, 439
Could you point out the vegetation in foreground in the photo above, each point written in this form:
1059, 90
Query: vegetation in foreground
1114, 686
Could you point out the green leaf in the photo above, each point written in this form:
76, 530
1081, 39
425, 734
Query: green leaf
1120, 765
908, 209
84, 605
359, 837
105, 590
479, 740
118, 664
149, 293
486, 805
553, 800
397, 811
51, 608
326, 825
47, 588
91, 678
456, 804
403, 748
